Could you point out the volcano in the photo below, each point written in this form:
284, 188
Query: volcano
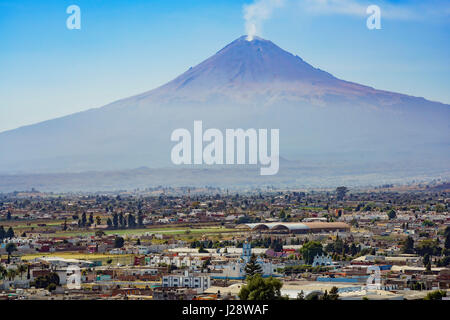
247, 84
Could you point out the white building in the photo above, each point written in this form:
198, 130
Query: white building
199, 282
236, 270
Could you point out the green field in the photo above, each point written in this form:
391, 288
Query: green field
125, 232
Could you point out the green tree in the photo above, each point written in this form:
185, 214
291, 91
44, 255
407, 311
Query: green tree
252, 267
11, 274
447, 239
408, 245
118, 242
83, 220
131, 221
429, 247
426, 259
428, 267
21, 269
334, 293
122, 221
99, 233
115, 220
202, 249
10, 248
258, 288
10, 233
392, 214
140, 220
300, 295
310, 249
436, 295
341, 192
3, 272
46, 281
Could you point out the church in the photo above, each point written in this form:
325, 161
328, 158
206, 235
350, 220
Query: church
236, 270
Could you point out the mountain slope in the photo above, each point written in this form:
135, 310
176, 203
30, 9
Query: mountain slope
247, 84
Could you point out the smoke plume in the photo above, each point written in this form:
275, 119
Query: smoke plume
256, 13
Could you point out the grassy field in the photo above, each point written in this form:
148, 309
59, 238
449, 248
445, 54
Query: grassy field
170, 231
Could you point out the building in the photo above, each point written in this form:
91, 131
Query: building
236, 270
297, 227
187, 280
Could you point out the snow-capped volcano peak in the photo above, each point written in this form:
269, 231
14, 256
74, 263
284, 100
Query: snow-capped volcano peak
244, 62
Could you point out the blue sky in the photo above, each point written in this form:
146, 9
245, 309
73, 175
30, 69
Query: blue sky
128, 47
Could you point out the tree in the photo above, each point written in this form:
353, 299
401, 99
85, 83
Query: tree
10, 248
428, 246
21, 269
428, 267
436, 295
131, 221
115, 221
426, 259
98, 220
83, 220
140, 220
392, 214
65, 225
258, 288
91, 219
11, 274
408, 245
447, 239
118, 242
276, 245
253, 267
99, 233
109, 223
8, 215
3, 272
300, 295
310, 249
49, 281
10, 233
2, 233
341, 192
334, 293
122, 221
201, 249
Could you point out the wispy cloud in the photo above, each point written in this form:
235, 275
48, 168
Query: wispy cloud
400, 10
261, 10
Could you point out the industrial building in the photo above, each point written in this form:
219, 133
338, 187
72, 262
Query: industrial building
297, 227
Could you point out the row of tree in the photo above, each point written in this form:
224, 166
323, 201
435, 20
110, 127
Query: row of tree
8, 234
119, 221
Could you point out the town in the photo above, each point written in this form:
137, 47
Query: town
381, 243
